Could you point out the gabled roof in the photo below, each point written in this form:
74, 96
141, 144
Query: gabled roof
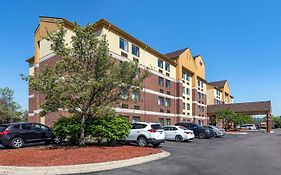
218, 84
175, 54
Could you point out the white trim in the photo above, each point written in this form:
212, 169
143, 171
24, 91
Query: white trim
161, 94
37, 111
199, 104
133, 111
46, 57
203, 92
30, 114
31, 96
200, 117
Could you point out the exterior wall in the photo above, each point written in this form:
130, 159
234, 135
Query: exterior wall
146, 58
147, 108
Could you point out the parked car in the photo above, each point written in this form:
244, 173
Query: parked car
146, 133
199, 131
248, 127
15, 135
178, 133
218, 132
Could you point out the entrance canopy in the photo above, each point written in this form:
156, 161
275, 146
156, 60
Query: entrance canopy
250, 108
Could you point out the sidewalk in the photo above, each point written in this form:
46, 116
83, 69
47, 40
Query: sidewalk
71, 169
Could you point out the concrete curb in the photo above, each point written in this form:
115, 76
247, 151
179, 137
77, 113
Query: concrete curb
236, 133
85, 168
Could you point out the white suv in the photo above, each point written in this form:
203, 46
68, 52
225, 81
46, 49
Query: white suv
146, 133
178, 133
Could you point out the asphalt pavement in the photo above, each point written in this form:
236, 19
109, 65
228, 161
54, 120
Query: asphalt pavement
256, 153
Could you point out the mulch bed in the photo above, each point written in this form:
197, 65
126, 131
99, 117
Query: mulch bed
68, 155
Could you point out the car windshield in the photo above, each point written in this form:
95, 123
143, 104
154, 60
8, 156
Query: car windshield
156, 126
198, 126
184, 128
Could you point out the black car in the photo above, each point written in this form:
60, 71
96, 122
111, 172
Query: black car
15, 135
199, 131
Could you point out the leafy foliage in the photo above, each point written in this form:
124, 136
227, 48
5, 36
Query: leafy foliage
276, 120
110, 128
86, 81
10, 111
231, 118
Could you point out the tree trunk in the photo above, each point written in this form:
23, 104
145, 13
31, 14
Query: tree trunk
82, 134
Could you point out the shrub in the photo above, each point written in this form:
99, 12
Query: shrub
110, 128
67, 127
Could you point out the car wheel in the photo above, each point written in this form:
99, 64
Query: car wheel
202, 135
142, 142
57, 140
16, 142
155, 145
178, 138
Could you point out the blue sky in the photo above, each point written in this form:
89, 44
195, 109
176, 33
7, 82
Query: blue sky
239, 40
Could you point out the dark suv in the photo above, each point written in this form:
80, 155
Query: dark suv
199, 131
15, 135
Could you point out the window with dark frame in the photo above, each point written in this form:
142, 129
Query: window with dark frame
123, 44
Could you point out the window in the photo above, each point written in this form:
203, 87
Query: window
161, 91
167, 67
135, 50
136, 107
199, 108
135, 60
200, 84
199, 95
183, 105
26, 126
126, 106
161, 121
136, 95
168, 74
160, 81
136, 119
168, 93
187, 91
160, 63
161, 110
138, 125
168, 111
168, 121
203, 109
123, 44
124, 95
185, 76
160, 71
187, 106
183, 90
37, 127
168, 83
124, 55
160, 100
168, 102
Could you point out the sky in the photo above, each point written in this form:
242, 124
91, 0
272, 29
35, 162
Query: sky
239, 40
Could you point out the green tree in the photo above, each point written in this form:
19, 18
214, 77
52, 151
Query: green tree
10, 111
86, 81
242, 119
276, 120
228, 116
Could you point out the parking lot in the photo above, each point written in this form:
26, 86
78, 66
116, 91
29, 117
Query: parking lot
256, 153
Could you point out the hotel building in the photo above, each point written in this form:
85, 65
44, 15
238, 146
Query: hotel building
176, 90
